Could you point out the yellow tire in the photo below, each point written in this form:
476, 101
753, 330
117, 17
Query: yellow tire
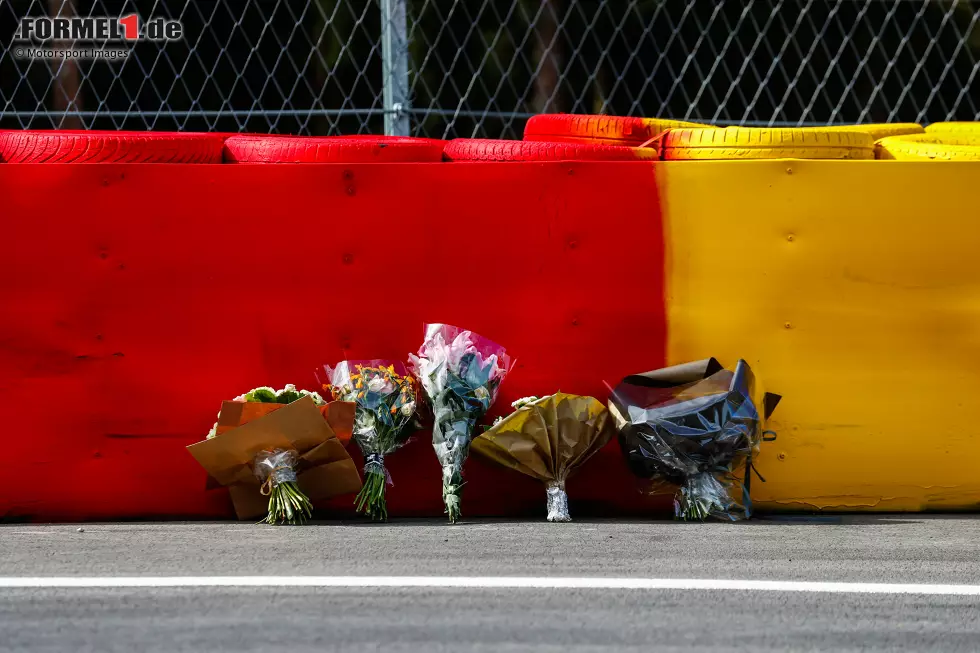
951, 128
877, 131
764, 143
929, 147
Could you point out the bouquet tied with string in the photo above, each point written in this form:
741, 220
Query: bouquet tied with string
280, 463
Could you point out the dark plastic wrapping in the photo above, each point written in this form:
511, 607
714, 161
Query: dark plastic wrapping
694, 426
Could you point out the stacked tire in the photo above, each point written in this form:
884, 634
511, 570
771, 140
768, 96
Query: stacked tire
931, 146
109, 147
746, 143
678, 140
547, 137
878, 131
332, 149
485, 150
955, 129
605, 130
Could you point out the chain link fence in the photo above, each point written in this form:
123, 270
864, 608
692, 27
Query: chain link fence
449, 68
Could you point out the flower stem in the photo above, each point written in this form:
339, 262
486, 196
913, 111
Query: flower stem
371, 499
452, 493
288, 505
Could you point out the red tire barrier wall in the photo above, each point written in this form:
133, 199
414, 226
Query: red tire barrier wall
139, 296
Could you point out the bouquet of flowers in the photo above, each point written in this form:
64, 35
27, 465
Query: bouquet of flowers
282, 461
692, 425
549, 439
460, 372
384, 398
267, 395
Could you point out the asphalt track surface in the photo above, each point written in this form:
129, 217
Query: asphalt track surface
860, 560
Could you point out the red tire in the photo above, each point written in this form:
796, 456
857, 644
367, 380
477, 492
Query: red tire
332, 149
477, 149
109, 147
609, 130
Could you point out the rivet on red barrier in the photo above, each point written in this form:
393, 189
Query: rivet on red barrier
348, 259
103, 255
351, 191
574, 321
348, 174
572, 244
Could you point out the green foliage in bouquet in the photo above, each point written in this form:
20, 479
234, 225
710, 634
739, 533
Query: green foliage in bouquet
267, 395
289, 394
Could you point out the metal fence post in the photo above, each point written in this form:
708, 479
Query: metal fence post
394, 67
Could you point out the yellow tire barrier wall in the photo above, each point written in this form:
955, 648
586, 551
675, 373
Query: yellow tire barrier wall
853, 289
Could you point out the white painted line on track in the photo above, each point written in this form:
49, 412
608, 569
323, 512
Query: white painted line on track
11, 532
486, 582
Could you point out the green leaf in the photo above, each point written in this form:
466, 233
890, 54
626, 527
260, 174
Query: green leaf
287, 396
261, 395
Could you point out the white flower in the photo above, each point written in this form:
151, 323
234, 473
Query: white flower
315, 396
289, 388
436, 357
523, 401
462, 345
340, 375
377, 384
